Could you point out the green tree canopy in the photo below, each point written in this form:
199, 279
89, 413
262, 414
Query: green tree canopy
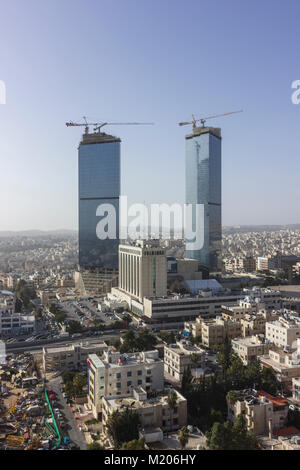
123, 427
136, 444
94, 446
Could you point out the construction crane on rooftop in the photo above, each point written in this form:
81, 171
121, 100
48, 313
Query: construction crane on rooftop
98, 125
203, 120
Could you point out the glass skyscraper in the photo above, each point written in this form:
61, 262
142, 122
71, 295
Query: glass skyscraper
99, 183
203, 186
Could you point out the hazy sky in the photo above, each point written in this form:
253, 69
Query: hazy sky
149, 60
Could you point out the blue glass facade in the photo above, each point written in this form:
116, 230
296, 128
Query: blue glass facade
99, 183
203, 186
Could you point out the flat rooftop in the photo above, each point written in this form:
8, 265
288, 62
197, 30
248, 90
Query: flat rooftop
124, 401
71, 348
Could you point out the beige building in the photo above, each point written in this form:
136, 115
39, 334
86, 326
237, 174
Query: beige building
143, 269
285, 363
72, 357
255, 323
193, 328
263, 412
215, 331
154, 414
181, 355
284, 331
118, 374
249, 348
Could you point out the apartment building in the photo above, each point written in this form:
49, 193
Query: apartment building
249, 348
237, 312
270, 299
283, 332
181, 355
263, 412
193, 328
118, 374
72, 357
255, 323
155, 416
215, 331
12, 323
284, 362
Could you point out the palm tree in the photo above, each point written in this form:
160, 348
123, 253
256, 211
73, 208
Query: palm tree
183, 437
172, 401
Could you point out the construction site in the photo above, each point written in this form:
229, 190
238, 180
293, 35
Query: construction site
28, 418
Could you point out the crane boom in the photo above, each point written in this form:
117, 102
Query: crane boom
203, 120
99, 125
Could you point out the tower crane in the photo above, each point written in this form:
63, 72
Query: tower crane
203, 120
98, 125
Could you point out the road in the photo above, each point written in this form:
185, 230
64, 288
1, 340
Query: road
38, 347
75, 435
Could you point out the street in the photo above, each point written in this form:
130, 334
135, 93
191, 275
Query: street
75, 435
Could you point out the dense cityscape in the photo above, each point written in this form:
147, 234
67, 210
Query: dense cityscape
155, 327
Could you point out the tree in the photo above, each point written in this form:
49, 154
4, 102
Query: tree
231, 397
186, 382
123, 427
24, 295
143, 341
95, 446
195, 359
220, 436
269, 382
79, 381
167, 336
74, 326
136, 444
242, 439
69, 389
172, 402
224, 355
183, 437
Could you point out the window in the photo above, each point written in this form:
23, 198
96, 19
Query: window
140, 382
118, 384
139, 372
129, 383
118, 375
129, 374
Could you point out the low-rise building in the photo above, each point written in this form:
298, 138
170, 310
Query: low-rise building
74, 357
215, 331
249, 348
11, 322
181, 355
118, 374
263, 412
155, 415
284, 332
284, 362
